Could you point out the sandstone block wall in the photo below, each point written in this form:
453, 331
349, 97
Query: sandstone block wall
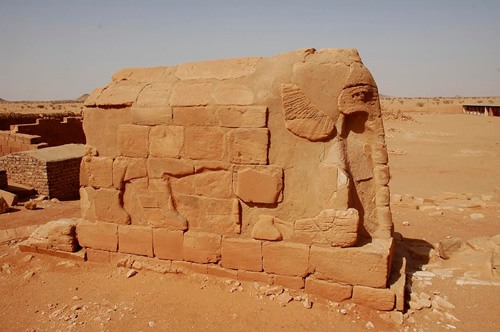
266, 167
43, 133
24, 169
46, 170
54, 132
11, 142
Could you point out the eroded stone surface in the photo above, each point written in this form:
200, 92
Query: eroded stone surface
242, 254
4, 206
329, 290
268, 166
265, 229
248, 146
166, 141
379, 299
55, 235
217, 69
122, 93
259, 184
101, 235
202, 247
210, 214
334, 227
302, 117
366, 266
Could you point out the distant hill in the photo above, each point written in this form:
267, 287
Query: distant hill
2, 100
82, 97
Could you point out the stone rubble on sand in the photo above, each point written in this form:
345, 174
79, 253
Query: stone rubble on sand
445, 201
6, 268
4, 206
476, 216
131, 273
27, 258
30, 205
28, 275
284, 298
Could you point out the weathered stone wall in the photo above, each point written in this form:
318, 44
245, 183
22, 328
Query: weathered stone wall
266, 167
57, 178
3, 179
54, 132
64, 178
11, 142
9, 119
23, 169
43, 133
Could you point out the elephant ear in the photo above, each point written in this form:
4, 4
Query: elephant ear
302, 117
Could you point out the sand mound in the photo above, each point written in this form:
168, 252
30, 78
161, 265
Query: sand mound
82, 97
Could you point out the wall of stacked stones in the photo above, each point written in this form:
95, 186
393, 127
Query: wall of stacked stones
64, 179
11, 142
43, 133
24, 169
56, 179
261, 169
54, 132
9, 119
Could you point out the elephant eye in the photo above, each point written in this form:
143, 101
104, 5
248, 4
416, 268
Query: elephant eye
362, 95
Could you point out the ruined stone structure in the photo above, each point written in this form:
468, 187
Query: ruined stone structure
11, 142
3, 179
270, 169
41, 134
54, 171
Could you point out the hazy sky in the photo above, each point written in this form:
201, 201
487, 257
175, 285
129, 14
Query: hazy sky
62, 49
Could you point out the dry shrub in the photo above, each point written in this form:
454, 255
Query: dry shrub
397, 115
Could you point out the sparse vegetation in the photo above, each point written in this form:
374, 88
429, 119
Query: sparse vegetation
445, 105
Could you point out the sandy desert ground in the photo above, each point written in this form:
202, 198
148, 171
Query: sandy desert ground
23, 107
444, 170
441, 105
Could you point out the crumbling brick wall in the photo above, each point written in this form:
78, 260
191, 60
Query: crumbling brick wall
22, 168
256, 168
54, 132
63, 178
11, 142
43, 133
56, 178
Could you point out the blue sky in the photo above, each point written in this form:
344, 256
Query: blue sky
62, 49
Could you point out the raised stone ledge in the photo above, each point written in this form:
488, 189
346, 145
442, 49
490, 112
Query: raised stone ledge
368, 265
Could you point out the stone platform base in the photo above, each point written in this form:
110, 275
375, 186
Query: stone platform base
359, 274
